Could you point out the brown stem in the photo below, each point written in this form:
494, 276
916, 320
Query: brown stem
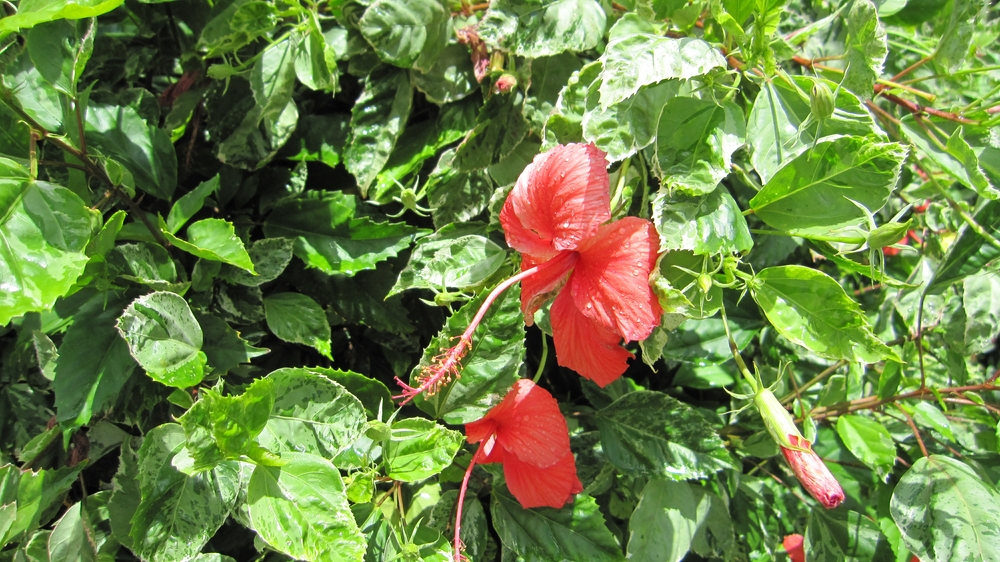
826, 372
872, 402
911, 68
917, 109
913, 427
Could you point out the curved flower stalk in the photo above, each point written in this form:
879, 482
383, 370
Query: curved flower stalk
557, 217
808, 467
527, 433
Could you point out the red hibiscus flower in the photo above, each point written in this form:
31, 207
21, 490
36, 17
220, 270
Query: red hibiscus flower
794, 549
528, 434
555, 216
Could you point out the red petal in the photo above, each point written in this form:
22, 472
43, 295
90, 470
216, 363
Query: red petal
813, 474
584, 345
793, 547
480, 429
530, 425
610, 283
552, 486
559, 200
538, 288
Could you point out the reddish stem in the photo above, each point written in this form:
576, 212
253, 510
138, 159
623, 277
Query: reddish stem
461, 502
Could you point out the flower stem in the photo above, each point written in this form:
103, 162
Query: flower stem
541, 362
461, 502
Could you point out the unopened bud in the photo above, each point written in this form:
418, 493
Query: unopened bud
887, 234
821, 101
505, 84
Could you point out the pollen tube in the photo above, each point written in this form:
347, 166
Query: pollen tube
447, 365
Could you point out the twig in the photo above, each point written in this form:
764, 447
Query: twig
826, 372
917, 109
872, 402
913, 427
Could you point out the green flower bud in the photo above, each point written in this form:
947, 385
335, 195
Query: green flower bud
888, 234
821, 101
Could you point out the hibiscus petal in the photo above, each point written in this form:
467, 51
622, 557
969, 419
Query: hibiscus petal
610, 283
533, 427
480, 429
552, 486
584, 345
559, 200
539, 288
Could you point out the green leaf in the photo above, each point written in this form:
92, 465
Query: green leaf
499, 128
531, 29
695, 140
811, 309
947, 512
272, 78
925, 414
318, 138
456, 196
575, 532
232, 25
816, 189
93, 362
665, 521
38, 495
843, 535
300, 509
869, 441
866, 48
143, 149
457, 256
296, 318
981, 300
953, 155
44, 230
705, 341
635, 59
705, 224
969, 253
177, 513
450, 77
565, 124
775, 128
60, 51
83, 532
650, 433
377, 120
125, 495
32, 94
312, 414
221, 427
629, 126
165, 338
335, 234
223, 346
488, 369
678, 291
146, 263
956, 38
270, 257
253, 133
192, 202
33, 12
407, 33
316, 60
419, 448
216, 240
372, 393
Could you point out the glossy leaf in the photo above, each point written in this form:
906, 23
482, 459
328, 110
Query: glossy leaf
456, 256
296, 318
533, 30
575, 532
223, 346
843, 535
629, 126
270, 257
143, 149
705, 224
34, 12
165, 338
499, 128
221, 427
695, 141
406, 33
488, 369
377, 120
775, 128
216, 240
666, 520
312, 414
44, 230
192, 202
952, 154
634, 60
811, 309
869, 441
456, 196
970, 252
650, 433
450, 77
816, 189
334, 233
60, 51
866, 48
419, 448
947, 512
300, 509
177, 514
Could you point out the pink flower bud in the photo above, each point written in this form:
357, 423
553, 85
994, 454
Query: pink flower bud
813, 473
505, 84
794, 548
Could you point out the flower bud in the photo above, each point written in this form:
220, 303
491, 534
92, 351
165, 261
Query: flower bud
808, 467
505, 84
887, 234
821, 101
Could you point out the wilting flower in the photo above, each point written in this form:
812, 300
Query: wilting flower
808, 467
794, 549
556, 217
527, 433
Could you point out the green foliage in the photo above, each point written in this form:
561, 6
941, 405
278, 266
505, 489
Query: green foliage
228, 229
